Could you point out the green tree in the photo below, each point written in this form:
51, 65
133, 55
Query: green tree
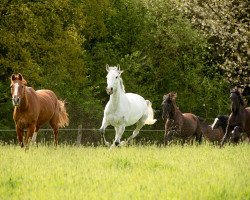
226, 25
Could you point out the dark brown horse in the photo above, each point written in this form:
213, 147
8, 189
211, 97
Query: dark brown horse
239, 119
215, 132
34, 108
182, 125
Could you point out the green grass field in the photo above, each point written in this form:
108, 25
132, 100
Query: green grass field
136, 172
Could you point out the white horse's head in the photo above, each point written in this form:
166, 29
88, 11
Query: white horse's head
113, 78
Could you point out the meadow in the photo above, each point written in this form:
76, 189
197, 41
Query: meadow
134, 172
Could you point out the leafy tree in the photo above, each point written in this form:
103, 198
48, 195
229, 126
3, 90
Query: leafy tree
226, 25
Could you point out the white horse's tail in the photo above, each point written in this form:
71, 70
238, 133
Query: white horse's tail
150, 120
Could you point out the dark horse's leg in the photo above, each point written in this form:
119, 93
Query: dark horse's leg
198, 136
227, 134
20, 132
236, 134
168, 136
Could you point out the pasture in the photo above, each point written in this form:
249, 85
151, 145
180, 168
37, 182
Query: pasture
134, 172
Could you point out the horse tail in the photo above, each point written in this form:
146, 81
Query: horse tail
63, 115
150, 120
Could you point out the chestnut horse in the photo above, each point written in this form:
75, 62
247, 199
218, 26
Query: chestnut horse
239, 119
183, 125
34, 108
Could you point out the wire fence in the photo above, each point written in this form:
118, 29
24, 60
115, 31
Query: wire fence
85, 136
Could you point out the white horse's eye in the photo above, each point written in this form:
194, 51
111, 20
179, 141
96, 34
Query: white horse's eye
116, 77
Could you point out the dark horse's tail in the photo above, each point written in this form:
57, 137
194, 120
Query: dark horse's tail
63, 115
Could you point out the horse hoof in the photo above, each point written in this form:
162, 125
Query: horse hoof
107, 143
123, 143
117, 143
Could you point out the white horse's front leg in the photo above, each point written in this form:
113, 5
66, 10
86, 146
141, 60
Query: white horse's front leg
102, 130
118, 134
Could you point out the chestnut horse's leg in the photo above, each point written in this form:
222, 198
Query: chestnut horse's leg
55, 137
20, 132
54, 124
30, 132
33, 139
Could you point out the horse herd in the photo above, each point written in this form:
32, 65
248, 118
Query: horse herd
34, 108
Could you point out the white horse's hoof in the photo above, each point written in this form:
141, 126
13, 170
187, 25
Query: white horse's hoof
107, 144
123, 143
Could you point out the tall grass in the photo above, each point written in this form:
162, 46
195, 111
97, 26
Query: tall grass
137, 172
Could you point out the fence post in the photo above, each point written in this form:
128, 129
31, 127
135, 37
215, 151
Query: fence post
79, 135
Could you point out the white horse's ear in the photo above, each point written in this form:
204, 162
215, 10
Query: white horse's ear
107, 68
118, 67
121, 72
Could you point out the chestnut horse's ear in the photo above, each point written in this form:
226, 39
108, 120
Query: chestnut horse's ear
20, 76
107, 68
13, 77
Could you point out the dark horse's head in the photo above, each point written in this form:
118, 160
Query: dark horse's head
17, 88
220, 121
168, 105
236, 100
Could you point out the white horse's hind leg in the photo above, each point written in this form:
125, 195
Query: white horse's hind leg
139, 125
102, 131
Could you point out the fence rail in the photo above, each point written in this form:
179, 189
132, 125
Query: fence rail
83, 129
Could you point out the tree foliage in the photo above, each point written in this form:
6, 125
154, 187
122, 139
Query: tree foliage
226, 25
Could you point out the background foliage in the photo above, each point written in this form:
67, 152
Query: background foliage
162, 46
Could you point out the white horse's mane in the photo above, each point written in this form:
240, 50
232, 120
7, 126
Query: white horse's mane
122, 86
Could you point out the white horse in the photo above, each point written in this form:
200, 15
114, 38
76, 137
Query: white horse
124, 109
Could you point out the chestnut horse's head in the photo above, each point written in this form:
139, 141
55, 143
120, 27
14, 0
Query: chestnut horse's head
17, 88
168, 105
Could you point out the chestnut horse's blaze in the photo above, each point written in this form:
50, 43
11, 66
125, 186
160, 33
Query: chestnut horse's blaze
34, 108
